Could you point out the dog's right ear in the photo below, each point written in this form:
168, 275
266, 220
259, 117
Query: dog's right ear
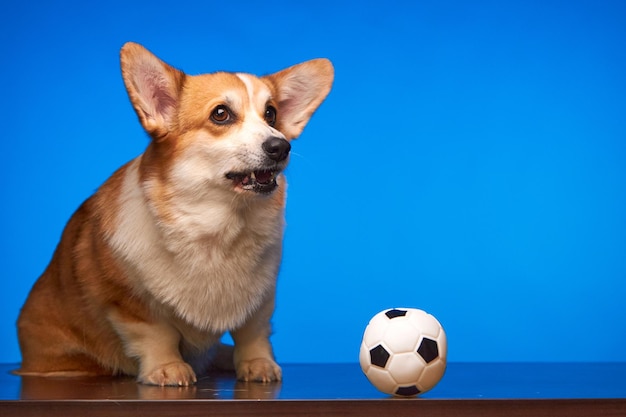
153, 88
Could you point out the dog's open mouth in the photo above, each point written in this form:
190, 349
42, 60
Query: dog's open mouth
260, 181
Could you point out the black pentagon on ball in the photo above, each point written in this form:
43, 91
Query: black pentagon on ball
428, 350
392, 314
379, 356
408, 391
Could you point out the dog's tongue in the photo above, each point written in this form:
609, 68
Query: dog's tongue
263, 177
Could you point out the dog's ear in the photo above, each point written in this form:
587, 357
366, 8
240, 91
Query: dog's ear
153, 88
301, 89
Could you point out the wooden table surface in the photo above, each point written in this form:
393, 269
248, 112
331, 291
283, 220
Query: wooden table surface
467, 389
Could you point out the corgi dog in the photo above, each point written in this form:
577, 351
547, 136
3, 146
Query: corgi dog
183, 243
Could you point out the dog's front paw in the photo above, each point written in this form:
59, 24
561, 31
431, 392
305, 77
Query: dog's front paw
172, 374
259, 370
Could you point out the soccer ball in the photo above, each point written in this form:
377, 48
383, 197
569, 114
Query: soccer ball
403, 351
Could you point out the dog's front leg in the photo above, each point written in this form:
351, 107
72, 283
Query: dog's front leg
156, 346
253, 356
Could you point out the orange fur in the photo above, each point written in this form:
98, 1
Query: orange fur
183, 243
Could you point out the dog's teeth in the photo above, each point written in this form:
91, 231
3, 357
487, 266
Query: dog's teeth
252, 176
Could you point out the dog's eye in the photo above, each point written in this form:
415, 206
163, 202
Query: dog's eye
270, 115
221, 115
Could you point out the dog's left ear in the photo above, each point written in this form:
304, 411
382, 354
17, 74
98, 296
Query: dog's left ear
301, 89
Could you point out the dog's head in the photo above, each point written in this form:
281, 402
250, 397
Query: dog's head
226, 130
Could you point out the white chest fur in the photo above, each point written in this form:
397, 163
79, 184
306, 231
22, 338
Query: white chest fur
213, 263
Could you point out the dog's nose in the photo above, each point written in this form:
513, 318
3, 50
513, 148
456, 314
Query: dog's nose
277, 149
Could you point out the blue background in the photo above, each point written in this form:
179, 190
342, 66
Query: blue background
470, 160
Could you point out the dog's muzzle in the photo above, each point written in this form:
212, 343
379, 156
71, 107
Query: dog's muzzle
262, 180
